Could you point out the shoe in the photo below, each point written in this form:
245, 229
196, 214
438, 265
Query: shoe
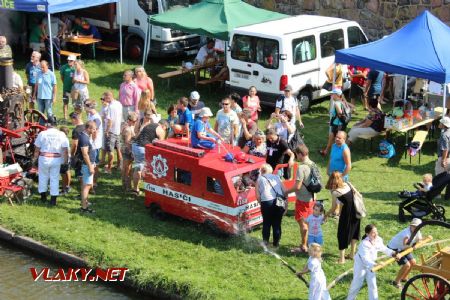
404, 280
87, 210
396, 284
136, 193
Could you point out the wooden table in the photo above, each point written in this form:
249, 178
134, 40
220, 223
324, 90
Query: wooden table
406, 130
194, 70
84, 41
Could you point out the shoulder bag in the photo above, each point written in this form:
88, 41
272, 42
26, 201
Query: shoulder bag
281, 199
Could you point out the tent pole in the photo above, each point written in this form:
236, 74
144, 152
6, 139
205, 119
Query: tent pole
51, 41
406, 87
120, 31
145, 45
444, 101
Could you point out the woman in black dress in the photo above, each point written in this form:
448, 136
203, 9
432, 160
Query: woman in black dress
349, 226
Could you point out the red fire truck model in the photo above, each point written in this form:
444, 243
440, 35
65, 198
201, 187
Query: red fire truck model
200, 185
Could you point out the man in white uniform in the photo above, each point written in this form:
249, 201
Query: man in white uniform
52, 149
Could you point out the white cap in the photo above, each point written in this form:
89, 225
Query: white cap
72, 57
205, 112
194, 95
416, 222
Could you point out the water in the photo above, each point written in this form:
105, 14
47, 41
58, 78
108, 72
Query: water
16, 281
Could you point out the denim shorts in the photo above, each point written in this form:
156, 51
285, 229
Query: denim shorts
315, 239
88, 178
139, 156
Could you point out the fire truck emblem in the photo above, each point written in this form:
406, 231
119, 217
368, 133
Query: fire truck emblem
159, 165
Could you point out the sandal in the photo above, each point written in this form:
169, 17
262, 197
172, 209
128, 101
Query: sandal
135, 193
323, 152
396, 284
297, 250
86, 210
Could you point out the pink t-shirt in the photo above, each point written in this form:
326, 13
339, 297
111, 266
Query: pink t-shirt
252, 104
146, 83
129, 94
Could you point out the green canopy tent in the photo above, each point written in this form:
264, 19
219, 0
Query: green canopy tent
212, 18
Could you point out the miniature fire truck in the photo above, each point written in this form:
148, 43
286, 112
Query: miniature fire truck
202, 186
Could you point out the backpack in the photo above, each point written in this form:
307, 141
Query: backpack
346, 113
296, 140
314, 185
358, 201
386, 149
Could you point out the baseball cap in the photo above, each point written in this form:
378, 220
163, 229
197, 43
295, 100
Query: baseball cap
336, 91
205, 112
194, 95
72, 57
416, 222
288, 88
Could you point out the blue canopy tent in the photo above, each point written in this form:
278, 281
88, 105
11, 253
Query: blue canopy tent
57, 6
420, 49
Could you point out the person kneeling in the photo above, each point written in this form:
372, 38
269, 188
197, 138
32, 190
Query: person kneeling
200, 137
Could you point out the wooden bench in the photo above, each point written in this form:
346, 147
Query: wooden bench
107, 48
67, 53
171, 74
420, 137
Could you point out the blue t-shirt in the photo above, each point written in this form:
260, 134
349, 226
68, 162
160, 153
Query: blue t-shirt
85, 141
32, 72
92, 30
199, 126
377, 81
46, 81
185, 117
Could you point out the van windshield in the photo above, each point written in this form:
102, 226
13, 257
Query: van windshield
175, 4
262, 51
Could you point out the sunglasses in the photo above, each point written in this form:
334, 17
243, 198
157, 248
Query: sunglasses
226, 103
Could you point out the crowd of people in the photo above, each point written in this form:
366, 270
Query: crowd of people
124, 126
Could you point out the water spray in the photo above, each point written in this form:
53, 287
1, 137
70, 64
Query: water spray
264, 246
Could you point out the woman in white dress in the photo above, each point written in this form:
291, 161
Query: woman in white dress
365, 260
318, 283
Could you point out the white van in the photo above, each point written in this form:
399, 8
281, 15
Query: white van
295, 50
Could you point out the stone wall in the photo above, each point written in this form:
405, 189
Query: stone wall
377, 17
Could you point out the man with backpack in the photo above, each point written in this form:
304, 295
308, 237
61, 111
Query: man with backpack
306, 185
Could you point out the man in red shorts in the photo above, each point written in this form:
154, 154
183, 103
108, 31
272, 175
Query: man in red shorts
305, 200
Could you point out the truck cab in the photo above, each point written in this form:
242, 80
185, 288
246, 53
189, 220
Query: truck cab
200, 185
165, 42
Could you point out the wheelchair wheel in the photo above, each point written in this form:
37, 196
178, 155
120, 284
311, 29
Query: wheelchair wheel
439, 213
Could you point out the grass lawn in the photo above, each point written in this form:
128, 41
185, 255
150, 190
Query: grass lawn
183, 258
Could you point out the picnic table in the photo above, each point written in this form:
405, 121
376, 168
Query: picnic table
194, 70
83, 41
421, 135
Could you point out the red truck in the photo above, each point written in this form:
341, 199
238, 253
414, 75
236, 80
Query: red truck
200, 185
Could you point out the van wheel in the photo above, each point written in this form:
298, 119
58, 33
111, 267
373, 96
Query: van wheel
304, 101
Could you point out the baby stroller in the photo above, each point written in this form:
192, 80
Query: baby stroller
420, 204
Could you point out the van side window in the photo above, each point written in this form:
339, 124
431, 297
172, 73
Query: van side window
331, 41
355, 36
182, 176
304, 49
213, 185
267, 53
241, 48
149, 6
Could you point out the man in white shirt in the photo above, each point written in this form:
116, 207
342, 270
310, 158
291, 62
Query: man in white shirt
398, 243
52, 150
206, 52
290, 103
97, 144
227, 123
112, 132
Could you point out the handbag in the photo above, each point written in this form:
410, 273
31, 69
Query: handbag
280, 200
358, 201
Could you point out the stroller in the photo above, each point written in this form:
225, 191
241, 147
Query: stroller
420, 204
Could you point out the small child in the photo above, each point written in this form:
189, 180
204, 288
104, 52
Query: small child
424, 186
315, 221
172, 118
318, 283
398, 244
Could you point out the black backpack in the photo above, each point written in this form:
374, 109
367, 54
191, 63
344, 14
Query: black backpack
315, 185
